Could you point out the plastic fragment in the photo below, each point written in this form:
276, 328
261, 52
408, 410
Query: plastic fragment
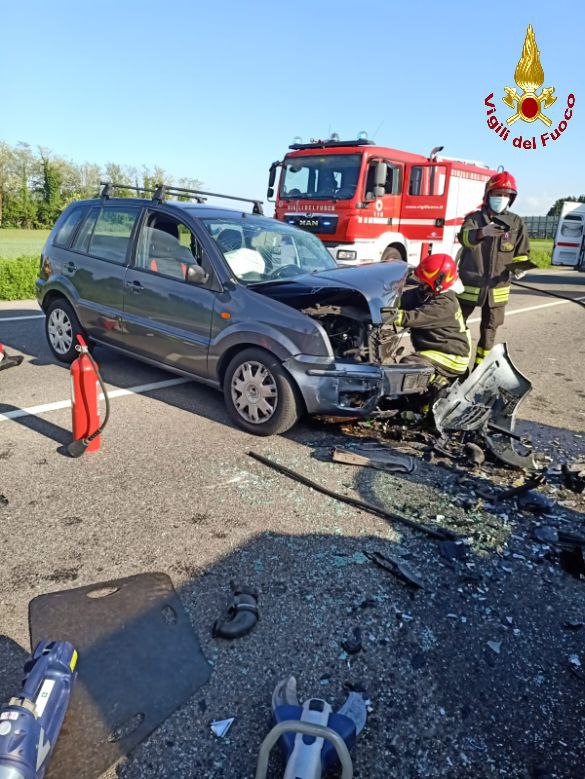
220, 727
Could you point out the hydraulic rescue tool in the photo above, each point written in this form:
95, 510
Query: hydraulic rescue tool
85, 379
313, 738
30, 723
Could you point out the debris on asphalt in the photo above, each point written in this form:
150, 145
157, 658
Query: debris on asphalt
535, 502
546, 535
573, 624
241, 615
574, 476
572, 561
495, 646
474, 453
440, 533
575, 661
3, 501
397, 567
373, 456
529, 484
353, 644
220, 727
453, 551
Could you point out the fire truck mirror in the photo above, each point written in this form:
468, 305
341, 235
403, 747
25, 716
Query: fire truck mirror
270, 193
381, 171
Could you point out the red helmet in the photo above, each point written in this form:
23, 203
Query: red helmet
439, 271
503, 180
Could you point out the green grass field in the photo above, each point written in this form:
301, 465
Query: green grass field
15, 243
541, 251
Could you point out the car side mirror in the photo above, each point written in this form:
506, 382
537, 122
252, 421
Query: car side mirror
196, 275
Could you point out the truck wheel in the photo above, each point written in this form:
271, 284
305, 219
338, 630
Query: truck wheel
61, 328
260, 396
391, 253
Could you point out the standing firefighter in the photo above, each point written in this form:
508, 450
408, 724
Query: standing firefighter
492, 239
432, 312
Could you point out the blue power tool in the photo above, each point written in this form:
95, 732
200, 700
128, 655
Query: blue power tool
312, 736
30, 723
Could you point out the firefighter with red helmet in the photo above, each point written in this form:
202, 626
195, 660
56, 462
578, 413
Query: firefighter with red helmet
432, 312
492, 240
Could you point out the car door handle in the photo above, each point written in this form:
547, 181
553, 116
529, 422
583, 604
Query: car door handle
134, 286
71, 267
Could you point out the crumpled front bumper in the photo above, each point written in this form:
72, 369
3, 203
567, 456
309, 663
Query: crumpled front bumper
352, 389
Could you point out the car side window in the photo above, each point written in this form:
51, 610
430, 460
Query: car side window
83, 237
68, 226
168, 247
112, 232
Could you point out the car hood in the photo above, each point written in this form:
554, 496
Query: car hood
378, 284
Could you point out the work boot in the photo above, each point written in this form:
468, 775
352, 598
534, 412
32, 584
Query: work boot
10, 361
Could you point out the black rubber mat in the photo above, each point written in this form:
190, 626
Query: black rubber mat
139, 660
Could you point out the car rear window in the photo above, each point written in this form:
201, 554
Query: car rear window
68, 226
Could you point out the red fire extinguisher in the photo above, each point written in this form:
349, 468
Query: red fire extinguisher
85, 381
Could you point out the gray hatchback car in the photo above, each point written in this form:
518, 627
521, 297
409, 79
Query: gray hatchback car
241, 302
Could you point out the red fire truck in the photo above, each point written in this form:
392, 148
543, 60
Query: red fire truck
369, 203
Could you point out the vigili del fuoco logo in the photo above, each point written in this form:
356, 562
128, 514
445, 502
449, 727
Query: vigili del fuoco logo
529, 105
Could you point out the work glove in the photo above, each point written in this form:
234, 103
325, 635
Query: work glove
491, 230
519, 274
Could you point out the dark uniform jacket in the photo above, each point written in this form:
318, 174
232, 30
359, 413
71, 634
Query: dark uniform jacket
437, 329
482, 264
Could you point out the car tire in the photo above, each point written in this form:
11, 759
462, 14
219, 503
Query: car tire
391, 253
254, 376
61, 329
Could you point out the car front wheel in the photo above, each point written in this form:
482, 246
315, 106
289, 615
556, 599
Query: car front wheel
259, 394
62, 328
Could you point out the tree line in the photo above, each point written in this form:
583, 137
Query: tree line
36, 185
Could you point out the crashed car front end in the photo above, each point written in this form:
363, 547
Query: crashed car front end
352, 389
346, 305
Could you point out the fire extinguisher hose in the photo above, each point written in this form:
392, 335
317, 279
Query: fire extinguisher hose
78, 447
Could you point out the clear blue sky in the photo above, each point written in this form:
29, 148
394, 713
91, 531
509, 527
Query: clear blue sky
218, 90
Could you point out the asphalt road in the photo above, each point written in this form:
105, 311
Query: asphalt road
173, 490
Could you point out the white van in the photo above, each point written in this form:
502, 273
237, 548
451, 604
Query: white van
569, 245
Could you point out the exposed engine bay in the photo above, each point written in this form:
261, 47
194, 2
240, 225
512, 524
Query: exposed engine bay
352, 334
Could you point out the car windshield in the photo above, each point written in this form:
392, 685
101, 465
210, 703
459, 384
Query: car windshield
320, 177
261, 250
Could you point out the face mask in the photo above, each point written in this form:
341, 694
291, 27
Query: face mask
498, 203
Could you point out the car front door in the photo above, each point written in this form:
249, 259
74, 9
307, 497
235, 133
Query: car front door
169, 295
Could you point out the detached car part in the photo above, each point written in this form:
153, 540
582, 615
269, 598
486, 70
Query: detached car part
487, 401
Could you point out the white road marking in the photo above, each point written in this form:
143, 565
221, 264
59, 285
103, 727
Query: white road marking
527, 309
19, 318
119, 393
142, 388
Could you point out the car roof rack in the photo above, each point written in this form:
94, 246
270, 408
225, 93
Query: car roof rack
331, 144
163, 190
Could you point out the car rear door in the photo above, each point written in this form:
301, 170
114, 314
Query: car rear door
96, 267
167, 318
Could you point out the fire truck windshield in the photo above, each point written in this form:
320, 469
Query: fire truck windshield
263, 250
320, 177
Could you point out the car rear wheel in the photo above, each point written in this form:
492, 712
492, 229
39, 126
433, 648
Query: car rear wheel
62, 328
259, 394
